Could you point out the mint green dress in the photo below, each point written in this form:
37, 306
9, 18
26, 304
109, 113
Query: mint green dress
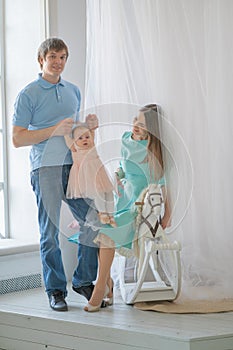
136, 177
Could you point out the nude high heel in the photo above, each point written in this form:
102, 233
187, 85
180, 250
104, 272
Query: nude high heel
109, 297
94, 308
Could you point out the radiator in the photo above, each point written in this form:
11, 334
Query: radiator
16, 284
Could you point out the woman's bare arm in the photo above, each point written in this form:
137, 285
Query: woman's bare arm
166, 219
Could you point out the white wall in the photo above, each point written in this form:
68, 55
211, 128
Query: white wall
68, 21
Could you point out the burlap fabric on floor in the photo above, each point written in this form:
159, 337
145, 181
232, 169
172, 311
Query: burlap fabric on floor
182, 306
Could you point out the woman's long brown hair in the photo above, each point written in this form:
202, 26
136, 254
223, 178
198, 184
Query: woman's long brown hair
154, 147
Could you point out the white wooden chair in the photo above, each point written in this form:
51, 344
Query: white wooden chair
155, 255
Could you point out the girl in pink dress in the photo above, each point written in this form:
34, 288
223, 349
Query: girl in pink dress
88, 177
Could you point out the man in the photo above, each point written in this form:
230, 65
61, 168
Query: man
44, 112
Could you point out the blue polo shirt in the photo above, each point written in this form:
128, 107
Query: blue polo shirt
41, 105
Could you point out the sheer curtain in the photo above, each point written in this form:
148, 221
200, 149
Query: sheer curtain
178, 54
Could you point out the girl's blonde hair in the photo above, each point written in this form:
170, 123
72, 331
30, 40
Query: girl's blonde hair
81, 127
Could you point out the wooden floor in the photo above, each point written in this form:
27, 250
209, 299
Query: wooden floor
27, 323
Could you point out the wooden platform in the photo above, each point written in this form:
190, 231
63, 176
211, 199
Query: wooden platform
27, 323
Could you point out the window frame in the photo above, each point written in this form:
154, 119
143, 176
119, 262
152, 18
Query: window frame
4, 185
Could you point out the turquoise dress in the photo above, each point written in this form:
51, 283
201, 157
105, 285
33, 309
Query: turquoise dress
135, 177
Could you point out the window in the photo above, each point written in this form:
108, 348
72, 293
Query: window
23, 25
3, 158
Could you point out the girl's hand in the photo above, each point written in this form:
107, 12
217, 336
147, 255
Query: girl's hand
118, 181
92, 121
119, 184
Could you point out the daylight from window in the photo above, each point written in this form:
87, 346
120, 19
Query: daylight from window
2, 206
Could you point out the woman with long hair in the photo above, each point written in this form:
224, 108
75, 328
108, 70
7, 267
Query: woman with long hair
141, 164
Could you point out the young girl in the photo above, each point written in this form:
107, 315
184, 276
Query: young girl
141, 164
88, 177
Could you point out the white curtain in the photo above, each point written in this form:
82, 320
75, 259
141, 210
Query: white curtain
178, 54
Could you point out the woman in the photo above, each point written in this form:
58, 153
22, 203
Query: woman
141, 164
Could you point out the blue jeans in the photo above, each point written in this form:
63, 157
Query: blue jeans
49, 185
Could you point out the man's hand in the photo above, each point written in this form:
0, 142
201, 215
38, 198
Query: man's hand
64, 127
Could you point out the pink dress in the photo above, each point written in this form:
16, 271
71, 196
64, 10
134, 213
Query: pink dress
88, 176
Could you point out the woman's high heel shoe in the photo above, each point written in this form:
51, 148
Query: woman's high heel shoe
109, 297
94, 308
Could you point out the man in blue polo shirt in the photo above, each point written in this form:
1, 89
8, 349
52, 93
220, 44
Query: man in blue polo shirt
45, 111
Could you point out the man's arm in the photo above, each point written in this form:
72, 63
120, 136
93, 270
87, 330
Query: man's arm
24, 137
